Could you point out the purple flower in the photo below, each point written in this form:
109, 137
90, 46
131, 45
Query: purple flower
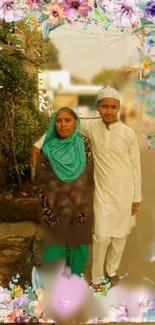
4, 296
126, 12
73, 7
153, 305
20, 301
9, 11
150, 9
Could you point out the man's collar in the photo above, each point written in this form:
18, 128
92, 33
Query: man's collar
112, 126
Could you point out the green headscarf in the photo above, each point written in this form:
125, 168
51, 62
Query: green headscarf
67, 156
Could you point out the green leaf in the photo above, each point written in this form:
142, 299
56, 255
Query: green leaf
43, 18
137, 30
152, 33
146, 22
25, 308
34, 320
47, 29
62, 22
31, 295
98, 14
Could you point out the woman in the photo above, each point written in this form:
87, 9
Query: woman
64, 174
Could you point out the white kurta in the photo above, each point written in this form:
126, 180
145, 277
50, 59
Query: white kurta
117, 175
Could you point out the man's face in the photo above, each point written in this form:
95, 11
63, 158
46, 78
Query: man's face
108, 109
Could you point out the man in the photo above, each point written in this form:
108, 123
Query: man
117, 175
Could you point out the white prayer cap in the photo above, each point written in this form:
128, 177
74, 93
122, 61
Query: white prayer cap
108, 93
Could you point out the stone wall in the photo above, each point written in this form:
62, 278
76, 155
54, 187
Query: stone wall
19, 209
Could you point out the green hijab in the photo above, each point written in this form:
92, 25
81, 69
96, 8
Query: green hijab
67, 156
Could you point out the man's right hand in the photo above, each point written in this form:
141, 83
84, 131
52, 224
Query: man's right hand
34, 157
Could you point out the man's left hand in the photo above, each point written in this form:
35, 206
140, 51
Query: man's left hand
134, 208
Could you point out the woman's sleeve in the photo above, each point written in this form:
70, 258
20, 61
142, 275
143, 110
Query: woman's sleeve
40, 142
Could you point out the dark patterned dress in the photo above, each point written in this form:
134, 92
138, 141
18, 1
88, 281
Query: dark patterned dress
66, 208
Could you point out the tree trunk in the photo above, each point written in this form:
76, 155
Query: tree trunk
13, 146
3, 170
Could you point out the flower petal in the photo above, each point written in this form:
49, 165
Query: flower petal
9, 16
1, 13
70, 12
83, 12
64, 5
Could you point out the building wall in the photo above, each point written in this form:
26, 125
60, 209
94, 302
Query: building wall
61, 100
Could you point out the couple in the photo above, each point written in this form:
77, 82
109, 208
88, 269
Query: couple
69, 197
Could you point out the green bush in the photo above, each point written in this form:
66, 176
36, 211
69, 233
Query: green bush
21, 123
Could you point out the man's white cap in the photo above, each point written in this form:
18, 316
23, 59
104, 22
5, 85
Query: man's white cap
108, 92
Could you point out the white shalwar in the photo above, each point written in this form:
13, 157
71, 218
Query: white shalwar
117, 175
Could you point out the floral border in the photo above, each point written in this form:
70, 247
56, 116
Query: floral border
127, 15
24, 305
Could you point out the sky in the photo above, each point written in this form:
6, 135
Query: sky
84, 55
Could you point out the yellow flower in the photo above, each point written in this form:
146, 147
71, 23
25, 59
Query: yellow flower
146, 65
18, 291
33, 20
55, 13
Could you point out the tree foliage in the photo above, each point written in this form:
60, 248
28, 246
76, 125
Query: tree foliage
78, 81
41, 52
112, 77
51, 58
21, 123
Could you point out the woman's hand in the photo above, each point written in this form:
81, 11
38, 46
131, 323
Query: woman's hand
34, 157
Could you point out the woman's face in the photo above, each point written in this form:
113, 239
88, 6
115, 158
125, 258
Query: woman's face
65, 124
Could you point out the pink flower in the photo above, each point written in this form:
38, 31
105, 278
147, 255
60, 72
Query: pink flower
9, 11
126, 12
17, 316
34, 3
55, 13
134, 25
73, 7
69, 296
